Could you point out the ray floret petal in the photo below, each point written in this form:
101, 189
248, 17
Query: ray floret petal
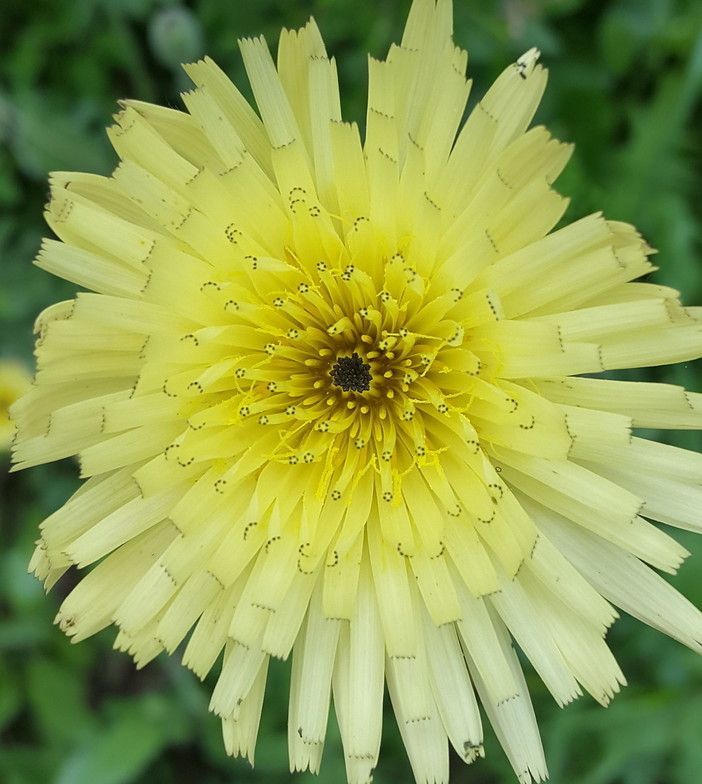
336, 399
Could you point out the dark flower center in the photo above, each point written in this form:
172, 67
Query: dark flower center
351, 373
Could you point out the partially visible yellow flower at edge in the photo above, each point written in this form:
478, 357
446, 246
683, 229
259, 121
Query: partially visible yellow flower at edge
333, 398
15, 380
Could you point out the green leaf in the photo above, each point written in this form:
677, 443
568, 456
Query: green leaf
120, 752
56, 693
44, 137
25, 764
10, 694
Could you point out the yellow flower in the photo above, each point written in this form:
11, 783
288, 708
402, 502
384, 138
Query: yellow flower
14, 381
332, 398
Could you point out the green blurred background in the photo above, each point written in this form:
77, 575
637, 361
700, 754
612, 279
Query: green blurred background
625, 86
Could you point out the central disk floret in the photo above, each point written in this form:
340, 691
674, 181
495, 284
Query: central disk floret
351, 374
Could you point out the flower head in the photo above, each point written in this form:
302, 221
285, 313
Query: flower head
14, 382
334, 398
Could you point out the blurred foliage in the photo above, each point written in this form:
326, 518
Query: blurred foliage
625, 86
